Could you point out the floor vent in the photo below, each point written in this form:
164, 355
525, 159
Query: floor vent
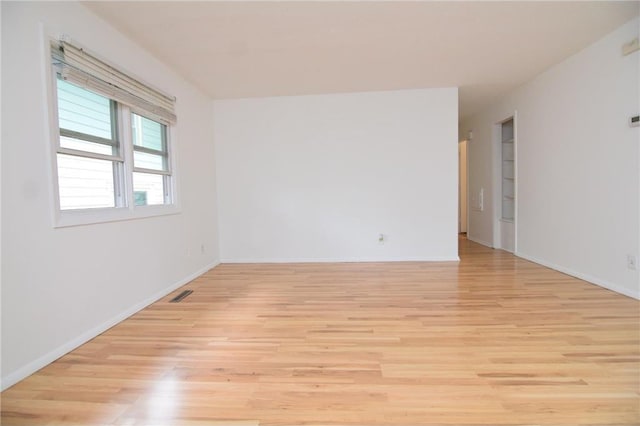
181, 296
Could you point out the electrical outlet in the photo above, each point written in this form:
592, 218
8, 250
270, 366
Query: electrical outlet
632, 262
382, 238
202, 249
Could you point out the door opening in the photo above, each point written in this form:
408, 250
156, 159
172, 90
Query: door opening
506, 185
462, 188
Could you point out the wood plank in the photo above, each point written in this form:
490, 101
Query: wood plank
493, 339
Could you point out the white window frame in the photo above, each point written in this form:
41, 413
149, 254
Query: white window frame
125, 208
167, 175
119, 172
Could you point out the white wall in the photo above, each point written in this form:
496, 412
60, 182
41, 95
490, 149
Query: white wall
63, 286
318, 178
577, 164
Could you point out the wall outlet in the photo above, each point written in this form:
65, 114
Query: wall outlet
382, 238
202, 249
632, 261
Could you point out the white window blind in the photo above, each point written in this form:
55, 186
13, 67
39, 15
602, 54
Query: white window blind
80, 67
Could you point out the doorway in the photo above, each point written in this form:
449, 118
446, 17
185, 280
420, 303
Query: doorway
506, 185
463, 221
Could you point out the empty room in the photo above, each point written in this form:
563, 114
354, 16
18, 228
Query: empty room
320, 213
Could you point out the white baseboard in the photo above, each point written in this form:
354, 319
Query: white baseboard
30, 368
339, 260
585, 277
479, 241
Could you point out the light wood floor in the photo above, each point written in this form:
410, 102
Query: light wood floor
493, 340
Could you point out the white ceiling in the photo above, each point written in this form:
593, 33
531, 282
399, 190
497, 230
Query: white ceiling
266, 48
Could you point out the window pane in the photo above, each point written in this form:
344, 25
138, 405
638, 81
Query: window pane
85, 183
72, 143
148, 189
148, 161
147, 133
83, 111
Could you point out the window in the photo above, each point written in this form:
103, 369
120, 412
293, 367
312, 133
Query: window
88, 158
151, 171
112, 146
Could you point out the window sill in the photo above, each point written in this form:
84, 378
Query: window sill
67, 218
